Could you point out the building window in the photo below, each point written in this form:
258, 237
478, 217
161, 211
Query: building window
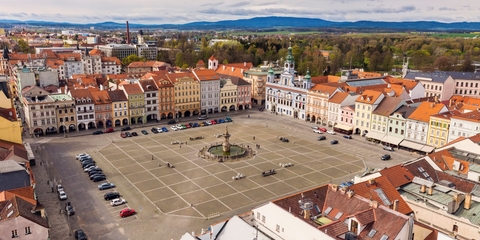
258, 215
263, 218
27, 230
14, 233
354, 226
277, 228
455, 228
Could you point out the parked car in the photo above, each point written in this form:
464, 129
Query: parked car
128, 134
331, 132
80, 234
174, 128
109, 130
386, 157
315, 127
207, 123
62, 195
334, 142
321, 138
171, 121
95, 172
228, 119
196, 125
347, 136
60, 188
184, 126
127, 212
91, 168
154, 130
213, 122
322, 129
135, 133
317, 131
117, 201
388, 148
106, 185
159, 130
98, 174
88, 164
82, 155
144, 132
111, 195
83, 159
164, 129
221, 120
98, 132
126, 128
69, 209
99, 178
123, 135
202, 117
85, 162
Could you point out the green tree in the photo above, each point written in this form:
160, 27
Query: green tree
132, 58
24, 47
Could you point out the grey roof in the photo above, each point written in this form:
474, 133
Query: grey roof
406, 111
365, 82
387, 106
474, 167
464, 75
10, 166
439, 77
12, 175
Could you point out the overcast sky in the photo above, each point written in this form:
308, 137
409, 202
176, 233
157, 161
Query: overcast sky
184, 11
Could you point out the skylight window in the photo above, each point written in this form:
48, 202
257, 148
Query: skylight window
384, 237
339, 215
372, 233
328, 210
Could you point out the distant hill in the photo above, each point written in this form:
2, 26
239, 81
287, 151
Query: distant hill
259, 23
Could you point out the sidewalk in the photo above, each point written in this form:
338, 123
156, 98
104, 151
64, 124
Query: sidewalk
57, 221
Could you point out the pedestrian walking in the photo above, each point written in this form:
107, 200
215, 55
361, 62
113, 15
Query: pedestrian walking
152, 157
253, 137
180, 145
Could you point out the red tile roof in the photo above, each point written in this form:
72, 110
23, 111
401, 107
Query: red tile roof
206, 75
397, 175
132, 89
425, 110
369, 96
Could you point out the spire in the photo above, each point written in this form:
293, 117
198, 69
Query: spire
289, 55
270, 71
307, 77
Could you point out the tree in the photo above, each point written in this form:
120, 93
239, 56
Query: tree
132, 58
24, 47
443, 63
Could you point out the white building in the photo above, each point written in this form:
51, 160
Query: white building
209, 90
72, 63
85, 108
287, 95
39, 108
92, 64
111, 65
464, 125
150, 90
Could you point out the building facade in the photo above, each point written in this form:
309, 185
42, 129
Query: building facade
119, 108
365, 104
209, 90
464, 125
187, 94
228, 95
438, 129
39, 108
166, 99
65, 112
103, 108
244, 90
136, 103
85, 108
317, 103
150, 90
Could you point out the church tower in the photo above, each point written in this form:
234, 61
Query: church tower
212, 63
270, 75
288, 75
307, 80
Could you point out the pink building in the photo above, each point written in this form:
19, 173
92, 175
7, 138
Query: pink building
346, 115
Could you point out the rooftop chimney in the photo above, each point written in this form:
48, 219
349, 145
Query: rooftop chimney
468, 201
371, 181
423, 189
374, 204
395, 205
128, 34
430, 190
350, 193
334, 187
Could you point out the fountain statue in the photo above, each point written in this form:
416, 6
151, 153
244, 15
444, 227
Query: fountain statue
226, 143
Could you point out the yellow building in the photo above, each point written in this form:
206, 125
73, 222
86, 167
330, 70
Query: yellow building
439, 127
136, 103
317, 103
228, 95
65, 112
187, 94
365, 104
119, 107
10, 126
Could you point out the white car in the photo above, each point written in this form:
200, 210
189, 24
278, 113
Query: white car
82, 155
317, 131
159, 130
62, 195
314, 127
60, 188
90, 168
331, 132
117, 201
174, 128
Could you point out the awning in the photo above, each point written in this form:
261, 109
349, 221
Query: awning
375, 135
344, 127
427, 149
412, 145
392, 140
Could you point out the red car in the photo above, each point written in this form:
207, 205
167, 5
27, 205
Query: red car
109, 130
322, 129
123, 135
213, 122
127, 212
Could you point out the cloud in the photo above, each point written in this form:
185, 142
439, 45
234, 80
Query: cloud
267, 3
447, 9
239, 4
430, 8
211, 4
